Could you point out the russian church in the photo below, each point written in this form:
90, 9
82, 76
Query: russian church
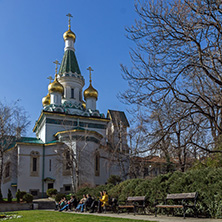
75, 145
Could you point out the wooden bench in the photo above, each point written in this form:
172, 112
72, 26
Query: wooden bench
134, 203
181, 200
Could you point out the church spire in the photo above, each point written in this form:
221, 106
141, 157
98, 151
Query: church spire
69, 35
69, 73
90, 94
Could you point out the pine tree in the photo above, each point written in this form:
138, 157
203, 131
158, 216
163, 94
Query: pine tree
9, 195
18, 196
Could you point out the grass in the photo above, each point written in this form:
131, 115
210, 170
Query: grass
51, 216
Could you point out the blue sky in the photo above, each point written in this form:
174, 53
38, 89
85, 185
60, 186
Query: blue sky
31, 39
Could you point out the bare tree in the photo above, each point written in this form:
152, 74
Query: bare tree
117, 147
178, 58
13, 123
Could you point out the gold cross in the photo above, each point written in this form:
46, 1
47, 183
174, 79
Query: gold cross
50, 78
57, 63
70, 16
90, 74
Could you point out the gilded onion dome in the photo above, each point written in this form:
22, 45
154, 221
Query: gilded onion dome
46, 100
90, 92
55, 86
69, 34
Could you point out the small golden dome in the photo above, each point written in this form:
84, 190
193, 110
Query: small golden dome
90, 92
84, 104
69, 34
46, 100
55, 86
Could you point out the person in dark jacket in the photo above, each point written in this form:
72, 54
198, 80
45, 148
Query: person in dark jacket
88, 202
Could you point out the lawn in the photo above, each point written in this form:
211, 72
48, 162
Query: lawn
51, 216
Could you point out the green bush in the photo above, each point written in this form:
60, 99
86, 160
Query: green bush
9, 195
113, 179
206, 181
18, 196
28, 198
22, 194
51, 192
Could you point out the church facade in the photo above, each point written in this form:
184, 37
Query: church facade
75, 144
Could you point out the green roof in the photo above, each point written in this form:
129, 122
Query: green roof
27, 140
69, 63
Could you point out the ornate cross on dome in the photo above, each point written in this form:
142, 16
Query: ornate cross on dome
90, 74
50, 78
56, 68
70, 16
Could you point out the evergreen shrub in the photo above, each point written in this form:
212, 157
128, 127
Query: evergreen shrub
9, 195
22, 194
50, 192
206, 181
113, 179
18, 196
28, 197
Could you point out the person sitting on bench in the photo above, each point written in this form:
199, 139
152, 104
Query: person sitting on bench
103, 201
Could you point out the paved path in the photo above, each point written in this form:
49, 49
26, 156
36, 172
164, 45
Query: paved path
152, 217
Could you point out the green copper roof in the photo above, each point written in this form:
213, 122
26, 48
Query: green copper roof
69, 63
28, 140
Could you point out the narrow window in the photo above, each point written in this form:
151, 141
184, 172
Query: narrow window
97, 164
72, 93
50, 165
34, 164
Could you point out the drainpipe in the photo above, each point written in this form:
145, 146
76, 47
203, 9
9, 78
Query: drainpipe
43, 169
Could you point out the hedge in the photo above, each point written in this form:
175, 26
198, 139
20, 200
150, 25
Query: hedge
207, 182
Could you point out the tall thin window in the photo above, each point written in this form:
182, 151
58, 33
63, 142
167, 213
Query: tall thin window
50, 165
97, 164
72, 93
34, 164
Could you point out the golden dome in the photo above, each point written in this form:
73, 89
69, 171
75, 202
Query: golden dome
55, 86
90, 92
69, 34
84, 104
46, 100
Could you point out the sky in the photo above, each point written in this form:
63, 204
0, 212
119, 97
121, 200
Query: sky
32, 38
